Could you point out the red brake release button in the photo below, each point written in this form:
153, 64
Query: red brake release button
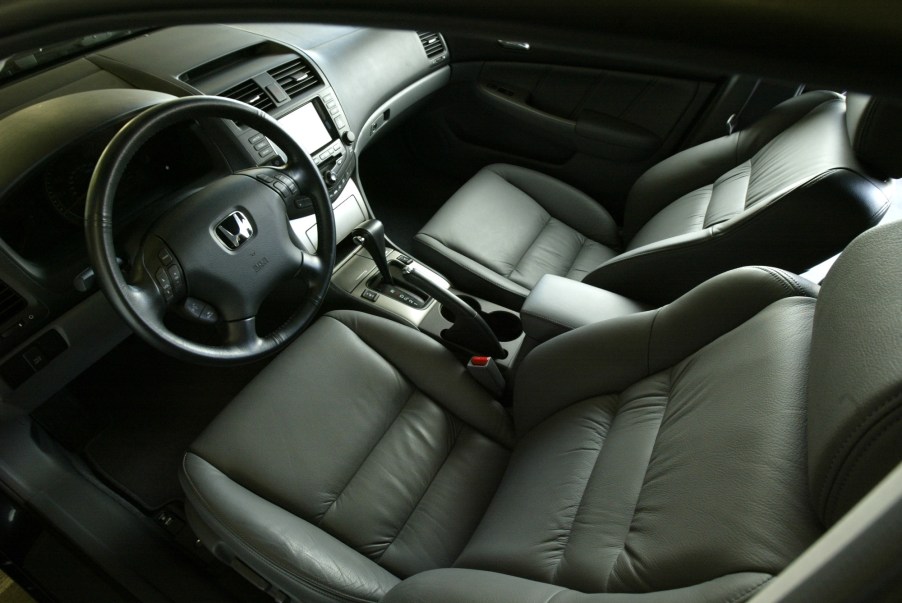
480, 360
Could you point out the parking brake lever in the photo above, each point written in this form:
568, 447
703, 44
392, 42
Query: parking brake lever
469, 330
371, 234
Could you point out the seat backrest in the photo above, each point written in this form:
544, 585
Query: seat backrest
789, 191
855, 378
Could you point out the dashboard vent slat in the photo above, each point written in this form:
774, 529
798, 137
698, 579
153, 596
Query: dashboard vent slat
251, 93
11, 303
432, 43
295, 77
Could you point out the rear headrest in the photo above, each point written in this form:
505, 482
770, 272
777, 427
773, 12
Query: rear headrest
875, 129
855, 378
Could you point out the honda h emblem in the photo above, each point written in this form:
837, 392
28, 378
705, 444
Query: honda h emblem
235, 230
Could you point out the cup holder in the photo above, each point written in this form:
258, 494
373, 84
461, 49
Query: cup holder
505, 325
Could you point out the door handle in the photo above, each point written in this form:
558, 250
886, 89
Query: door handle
513, 45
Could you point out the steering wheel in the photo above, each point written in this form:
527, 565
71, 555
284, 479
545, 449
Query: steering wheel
218, 253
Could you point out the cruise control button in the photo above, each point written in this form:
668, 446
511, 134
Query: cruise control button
194, 307
209, 315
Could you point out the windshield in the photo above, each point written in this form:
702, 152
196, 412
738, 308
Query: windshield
37, 58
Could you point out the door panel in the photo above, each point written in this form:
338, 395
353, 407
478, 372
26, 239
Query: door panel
596, 129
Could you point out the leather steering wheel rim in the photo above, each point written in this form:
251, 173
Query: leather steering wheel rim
133, 297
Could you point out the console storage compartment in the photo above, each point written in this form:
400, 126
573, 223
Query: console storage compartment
557, 305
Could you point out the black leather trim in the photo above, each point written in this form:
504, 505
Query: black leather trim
661, 272
874, 125
477, 280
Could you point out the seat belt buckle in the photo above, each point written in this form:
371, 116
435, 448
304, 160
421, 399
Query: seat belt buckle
485, 371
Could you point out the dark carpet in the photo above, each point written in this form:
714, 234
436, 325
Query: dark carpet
134, 413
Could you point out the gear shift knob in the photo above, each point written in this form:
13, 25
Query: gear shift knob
371, 234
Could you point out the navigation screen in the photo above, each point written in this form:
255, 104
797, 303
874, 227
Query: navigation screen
306, 127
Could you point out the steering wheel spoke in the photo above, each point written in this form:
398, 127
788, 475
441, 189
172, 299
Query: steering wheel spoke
242, 334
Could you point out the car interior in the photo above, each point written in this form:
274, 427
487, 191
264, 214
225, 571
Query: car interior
366, 306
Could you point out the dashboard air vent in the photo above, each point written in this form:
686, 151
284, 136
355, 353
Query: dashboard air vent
250, 93
295, 77
11, 303
432, 43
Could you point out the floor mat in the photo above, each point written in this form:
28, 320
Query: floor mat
155, 406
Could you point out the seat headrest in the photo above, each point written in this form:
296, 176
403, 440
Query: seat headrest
855, 377
875, 126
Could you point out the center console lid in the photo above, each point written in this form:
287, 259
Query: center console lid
557, 305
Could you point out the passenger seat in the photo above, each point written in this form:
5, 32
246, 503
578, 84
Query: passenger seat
789, 191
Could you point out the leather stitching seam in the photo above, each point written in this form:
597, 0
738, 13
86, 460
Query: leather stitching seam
322, 516
451, 447
843, 449
308, 581
856, 455
582, 497
531, 245
750, 590
654, 445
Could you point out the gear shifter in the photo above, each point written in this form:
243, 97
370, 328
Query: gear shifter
371, 234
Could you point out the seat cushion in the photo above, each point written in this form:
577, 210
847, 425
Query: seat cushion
509, 226
363, 454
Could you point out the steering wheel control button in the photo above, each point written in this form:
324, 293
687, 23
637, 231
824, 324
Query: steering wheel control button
165, 284
175, 276
165, 256
255, 138
193, 307
287, 181
208, 315
370, 295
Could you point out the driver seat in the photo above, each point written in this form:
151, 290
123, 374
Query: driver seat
687, 453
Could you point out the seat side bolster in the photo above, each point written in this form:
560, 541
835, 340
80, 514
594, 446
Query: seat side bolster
289, 553
468, 274
703, 164
444, 379
607, 357
778, 232
462, 585
718, 306
676, 176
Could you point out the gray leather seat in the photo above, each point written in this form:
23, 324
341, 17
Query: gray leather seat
789, 191
687, 453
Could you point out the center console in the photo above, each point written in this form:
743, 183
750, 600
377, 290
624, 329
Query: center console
423, 299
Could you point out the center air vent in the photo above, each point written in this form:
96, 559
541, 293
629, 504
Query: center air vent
295, 77
432, 43
251, 93
11, 303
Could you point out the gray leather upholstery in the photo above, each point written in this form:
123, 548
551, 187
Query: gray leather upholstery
557, 305
686, 453
361, 455
788, 191
855, 383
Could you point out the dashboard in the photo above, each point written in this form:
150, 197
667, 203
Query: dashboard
334, 89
